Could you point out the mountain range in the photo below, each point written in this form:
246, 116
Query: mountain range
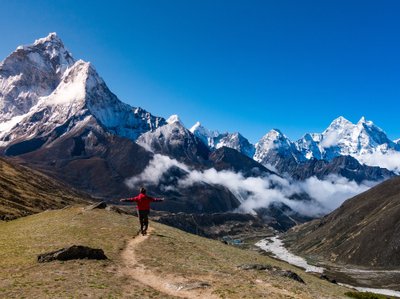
341, 138
58, 116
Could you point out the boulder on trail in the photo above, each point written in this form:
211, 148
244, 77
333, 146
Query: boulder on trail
71, 253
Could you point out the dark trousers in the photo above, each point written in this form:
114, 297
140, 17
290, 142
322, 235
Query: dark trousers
144, 220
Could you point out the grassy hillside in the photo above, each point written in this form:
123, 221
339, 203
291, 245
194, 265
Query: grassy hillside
168, 254
24, 191
364, 231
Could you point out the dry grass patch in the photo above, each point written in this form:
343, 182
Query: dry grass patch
23, 239
172, 251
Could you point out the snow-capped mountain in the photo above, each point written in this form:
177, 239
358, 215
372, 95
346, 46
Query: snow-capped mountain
216, 140
43, 89
275, 146
174, 140
204, 134
31, 72
364, 141
45, 93
345, 138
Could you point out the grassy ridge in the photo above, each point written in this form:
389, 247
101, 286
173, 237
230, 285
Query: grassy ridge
23, 239
24, 191
167, 251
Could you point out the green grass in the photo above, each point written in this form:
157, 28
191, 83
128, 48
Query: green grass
23, 239
167, 251
212, 261
366, 295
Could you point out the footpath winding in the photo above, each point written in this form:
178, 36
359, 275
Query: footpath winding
167, 284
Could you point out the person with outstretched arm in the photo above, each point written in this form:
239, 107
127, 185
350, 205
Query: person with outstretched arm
143, 207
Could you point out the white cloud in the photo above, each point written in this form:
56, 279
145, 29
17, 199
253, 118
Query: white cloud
330, 139
258, 192
389, 160
154, 171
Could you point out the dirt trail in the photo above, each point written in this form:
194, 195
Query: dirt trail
167, 284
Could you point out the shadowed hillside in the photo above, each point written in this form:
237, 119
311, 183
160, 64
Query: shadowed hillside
364, 231
24, 191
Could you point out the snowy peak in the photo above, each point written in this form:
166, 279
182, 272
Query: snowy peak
340, 122
31, 72
43, 88
47, 52
274, 139
205, 135
174, 119
346, 138
174, 140
51, 38
199, 130
275, 146
364, 141
308, 146
237, 142
215, 140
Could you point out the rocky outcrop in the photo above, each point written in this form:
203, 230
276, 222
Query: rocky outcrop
273, 270
72, 253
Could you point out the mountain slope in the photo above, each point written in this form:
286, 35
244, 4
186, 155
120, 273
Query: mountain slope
90, 159
180, 259
364, 231
364, 141
177, 142
215, 140
275, 147
63, 93
24, 191
344, 166
226, 158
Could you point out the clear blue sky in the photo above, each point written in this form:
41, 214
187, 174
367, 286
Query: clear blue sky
246, 66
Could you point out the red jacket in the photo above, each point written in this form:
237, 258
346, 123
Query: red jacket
143, 201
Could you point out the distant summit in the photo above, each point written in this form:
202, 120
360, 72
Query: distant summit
42, 86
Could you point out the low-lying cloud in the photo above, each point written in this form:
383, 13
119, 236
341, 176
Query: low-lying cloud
389, 160
259, 192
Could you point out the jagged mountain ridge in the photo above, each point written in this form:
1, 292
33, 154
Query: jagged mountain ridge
79, 130
43, 87
63, 90
362, 141
215, 140
174, 140
343, 138
81, 133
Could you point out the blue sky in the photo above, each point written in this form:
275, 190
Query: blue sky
246, 66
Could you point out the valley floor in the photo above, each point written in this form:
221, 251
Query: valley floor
378, 281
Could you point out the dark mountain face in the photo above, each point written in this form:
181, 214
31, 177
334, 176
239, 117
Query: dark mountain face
281, 217
226, 158
92, 160
364, 231
345, 166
